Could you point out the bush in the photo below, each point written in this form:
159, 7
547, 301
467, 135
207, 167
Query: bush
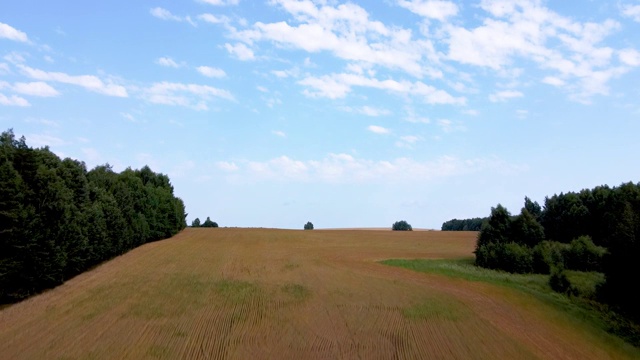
308, 225
401, 226
548, 255
509, 257
583, 255
559, 281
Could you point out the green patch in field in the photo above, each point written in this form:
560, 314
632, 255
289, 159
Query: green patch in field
291, 266
173, 295
236, 291
159, 352
585, 284
582, 311
436, 309
296, 291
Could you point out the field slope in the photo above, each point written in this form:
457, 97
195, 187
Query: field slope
285, 294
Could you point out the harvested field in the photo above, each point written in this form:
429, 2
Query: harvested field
288, 294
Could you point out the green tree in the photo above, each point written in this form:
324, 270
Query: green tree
209, 223
533, 208
195, 222
526, 230
308, 225
401, 225
497, 228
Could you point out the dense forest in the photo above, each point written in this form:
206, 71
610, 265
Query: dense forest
591, 230
474, 224
57, 219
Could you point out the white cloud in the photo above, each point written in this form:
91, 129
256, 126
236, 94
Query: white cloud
552, 80
227, 166
188, 95
632, 11
214, 19
89, 82
570, 50
449, 126
11, 33
4, 68
220, 2
165, 14
339, 85
211, 72
14, 58
431, 9
501, 96
262, 89
367, 110
346, 31
279, 133
37, 88
168, 62
42, 140
377, 129
240, 51
344, 168
408, 141
630, 57
13, 100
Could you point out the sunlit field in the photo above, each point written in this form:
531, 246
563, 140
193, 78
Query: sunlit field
262, 293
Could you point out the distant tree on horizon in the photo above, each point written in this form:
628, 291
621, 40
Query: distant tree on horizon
401, 225
196, 223
308, 225
209, 223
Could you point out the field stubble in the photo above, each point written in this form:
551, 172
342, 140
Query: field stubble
262, 293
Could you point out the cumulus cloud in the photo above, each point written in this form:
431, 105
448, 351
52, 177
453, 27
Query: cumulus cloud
11, 33
336, 86
630, 57
568, 49
89, 82
37, 88
345, 168
377, 129
347, 32
227, 166
211, 72
13, 100
168, 62
632, 11
188, 95
240, 51
214, 19
367, 110
431, 9
501, 96
220, 2
165, 14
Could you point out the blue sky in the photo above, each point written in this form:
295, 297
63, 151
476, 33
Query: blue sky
347, 114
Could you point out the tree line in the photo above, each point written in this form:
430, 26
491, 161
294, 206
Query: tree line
591, 230
207, 223
57, 219
474, 224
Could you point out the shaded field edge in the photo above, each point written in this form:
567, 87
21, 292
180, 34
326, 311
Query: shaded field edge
596, 317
